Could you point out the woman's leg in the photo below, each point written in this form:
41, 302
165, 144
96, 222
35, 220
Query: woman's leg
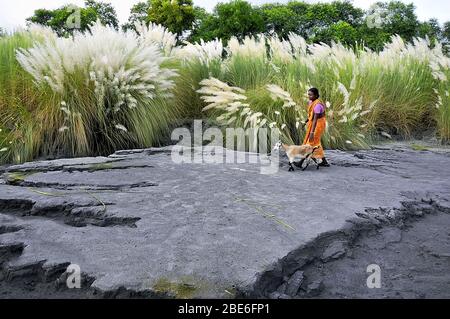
316, 142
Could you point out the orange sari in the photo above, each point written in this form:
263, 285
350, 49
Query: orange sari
320, 129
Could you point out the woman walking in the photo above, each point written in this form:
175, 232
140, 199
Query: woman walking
316, 125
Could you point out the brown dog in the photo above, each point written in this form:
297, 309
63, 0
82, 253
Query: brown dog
297, 153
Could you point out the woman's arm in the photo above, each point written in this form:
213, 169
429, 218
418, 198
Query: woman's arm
305, 123
311, 135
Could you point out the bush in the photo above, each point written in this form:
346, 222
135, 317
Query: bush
101, 91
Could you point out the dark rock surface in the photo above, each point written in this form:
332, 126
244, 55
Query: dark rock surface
139, 225
294, 283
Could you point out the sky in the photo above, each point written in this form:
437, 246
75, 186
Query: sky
14, 12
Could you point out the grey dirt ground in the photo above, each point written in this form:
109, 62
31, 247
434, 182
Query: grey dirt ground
140, 225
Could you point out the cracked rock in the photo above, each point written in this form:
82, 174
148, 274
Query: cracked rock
294, 283
389, 234
52, 272
4, 229
315, 288
229, 222
333, 251
28, 269
278, 295
7, 251
392, 235
282, 288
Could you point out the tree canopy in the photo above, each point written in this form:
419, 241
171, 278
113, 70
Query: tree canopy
69, 18
178, 16
446, 33
138, 13
317, 22
236, 18
105, 12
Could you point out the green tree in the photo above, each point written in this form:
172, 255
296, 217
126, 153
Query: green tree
374, 38
446, 36
345, 11
42, 16
236, 18
396, 17
204, 26
200, 15
138, 13
105, 12
279, 19
176, 15
446, 31
2, 32
302, 21
339, 32
401, 19
64, 20
373, 30
315, 21
69, 18
430, 29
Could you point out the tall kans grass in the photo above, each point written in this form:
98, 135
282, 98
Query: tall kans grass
105, 90
20, 101
90, 94
401, 91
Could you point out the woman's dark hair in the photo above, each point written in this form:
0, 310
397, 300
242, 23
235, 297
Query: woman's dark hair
315, 91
